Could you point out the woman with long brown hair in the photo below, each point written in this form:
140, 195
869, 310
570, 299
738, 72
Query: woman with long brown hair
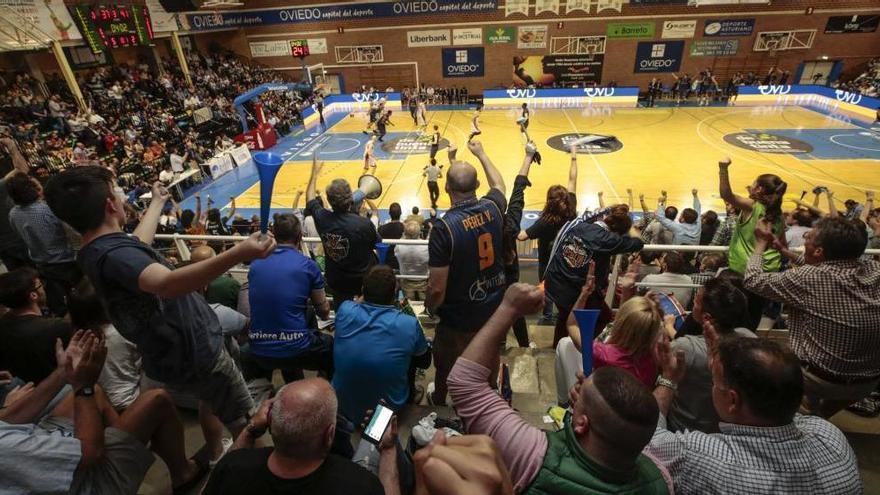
764, 202
559, 208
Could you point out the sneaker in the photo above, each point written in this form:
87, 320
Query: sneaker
429, 393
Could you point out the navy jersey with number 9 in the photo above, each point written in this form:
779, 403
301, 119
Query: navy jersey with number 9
468, 239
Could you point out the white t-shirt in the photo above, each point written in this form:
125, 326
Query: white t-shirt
121, 376
794, 236
683, 295
413, 260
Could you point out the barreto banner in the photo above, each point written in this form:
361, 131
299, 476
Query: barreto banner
340, 12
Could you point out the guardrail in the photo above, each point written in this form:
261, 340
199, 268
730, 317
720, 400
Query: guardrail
183, 249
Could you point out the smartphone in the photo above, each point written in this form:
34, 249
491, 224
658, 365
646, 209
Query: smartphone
378, 424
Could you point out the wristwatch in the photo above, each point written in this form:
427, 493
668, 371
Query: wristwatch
666, 382
86, 391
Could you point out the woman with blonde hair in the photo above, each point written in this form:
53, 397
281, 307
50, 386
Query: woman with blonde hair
630, 344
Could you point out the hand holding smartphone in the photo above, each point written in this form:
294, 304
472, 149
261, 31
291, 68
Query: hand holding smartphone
378, 423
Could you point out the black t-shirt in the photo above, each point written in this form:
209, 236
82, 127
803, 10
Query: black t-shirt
177, 337
348, 241
469, 240
27, 345
545, 232
246, 472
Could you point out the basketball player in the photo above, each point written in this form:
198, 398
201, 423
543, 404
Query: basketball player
423, 114
319, 106
369, 156
523, 121
682, 87
877, 117
435, 141
382, 123
475, 123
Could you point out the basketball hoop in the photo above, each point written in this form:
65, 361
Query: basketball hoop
370, 56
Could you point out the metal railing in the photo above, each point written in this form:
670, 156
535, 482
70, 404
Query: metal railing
183, 249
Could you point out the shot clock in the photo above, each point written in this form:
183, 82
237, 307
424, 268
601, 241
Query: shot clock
113, 26
299, 48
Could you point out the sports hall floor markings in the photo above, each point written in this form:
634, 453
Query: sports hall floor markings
668, 148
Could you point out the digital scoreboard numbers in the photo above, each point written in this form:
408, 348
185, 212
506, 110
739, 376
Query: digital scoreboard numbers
299, 48
113, 26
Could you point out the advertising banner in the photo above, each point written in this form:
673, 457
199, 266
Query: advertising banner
333, 13
679, 29
852, 24
317, 46
714, 48
50, 16
463, 62
656, 56
435, 37
161, 20
729, 27
565, 70
546, 6
561, 98
531, 37
500, 34
467, 36
277, 48
516, 7
658, 2
620, 30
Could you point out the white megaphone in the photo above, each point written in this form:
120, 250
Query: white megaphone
369, 187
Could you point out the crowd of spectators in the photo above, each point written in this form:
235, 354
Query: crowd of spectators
140, 119
682, 395
867, 83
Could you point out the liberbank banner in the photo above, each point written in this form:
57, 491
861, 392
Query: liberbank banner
561, 98
340, 12
823, 97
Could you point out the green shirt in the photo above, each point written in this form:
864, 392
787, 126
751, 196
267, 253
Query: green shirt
223, 290
742, 244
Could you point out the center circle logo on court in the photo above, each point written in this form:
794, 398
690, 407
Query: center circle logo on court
768, 143
586, 143
412, 145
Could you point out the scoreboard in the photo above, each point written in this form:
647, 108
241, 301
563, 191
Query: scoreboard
113, 26
299, 48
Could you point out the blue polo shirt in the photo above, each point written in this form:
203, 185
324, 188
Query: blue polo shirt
372, 351
280, 288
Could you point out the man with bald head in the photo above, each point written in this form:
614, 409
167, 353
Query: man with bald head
465, 257
599, 448
302, 422
223, 289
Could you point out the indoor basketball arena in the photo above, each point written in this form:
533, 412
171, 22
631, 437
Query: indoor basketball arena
359, 247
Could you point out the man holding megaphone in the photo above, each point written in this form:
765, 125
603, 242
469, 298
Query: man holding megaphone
347, 237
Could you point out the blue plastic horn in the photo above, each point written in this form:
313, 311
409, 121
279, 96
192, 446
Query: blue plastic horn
382, 251
268, 165
586, 320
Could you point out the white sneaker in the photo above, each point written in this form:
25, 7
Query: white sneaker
429, 393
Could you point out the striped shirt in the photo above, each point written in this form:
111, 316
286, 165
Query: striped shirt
808, 455
834, 310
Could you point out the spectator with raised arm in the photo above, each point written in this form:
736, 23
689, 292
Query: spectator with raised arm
580, 242
466, 248
559, 207
764, 202
687, 229
348, 239
764, 445
158, 308
599, 449
833, 302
